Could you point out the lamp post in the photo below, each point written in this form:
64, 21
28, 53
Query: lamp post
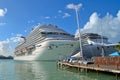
80, 39
76, 8
102, 52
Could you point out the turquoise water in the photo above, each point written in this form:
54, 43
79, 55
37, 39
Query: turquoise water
37, 70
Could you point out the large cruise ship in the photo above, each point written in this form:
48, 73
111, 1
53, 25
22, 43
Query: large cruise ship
46, 42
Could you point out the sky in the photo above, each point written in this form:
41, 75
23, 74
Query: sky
18, 17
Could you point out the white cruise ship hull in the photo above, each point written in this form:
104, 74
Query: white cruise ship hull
51, 50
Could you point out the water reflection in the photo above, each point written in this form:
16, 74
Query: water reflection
90, 75
6, 70
41, 70
30, 71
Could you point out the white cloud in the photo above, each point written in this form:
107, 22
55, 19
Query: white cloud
17, 38
31, 21
66, 15
3, 12
25, 30
47, 17
5, 46
73, 6
59, 11
55, 17
12, 33
109, 25
2, 23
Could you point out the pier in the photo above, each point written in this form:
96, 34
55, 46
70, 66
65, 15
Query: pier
101, 64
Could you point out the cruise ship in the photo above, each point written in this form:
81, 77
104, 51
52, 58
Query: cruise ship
93, 45
46, 42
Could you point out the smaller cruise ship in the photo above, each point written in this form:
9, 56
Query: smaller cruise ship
95, 45
46, 42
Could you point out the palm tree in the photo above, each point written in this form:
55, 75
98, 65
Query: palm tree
118, 46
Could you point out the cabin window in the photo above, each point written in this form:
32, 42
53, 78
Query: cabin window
98, 48
49, 47
43, 33
49, 33
38, 45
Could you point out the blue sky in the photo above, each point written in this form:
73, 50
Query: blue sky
18, 17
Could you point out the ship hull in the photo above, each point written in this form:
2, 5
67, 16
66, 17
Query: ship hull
51, 50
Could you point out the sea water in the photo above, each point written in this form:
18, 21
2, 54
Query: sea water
46, 70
